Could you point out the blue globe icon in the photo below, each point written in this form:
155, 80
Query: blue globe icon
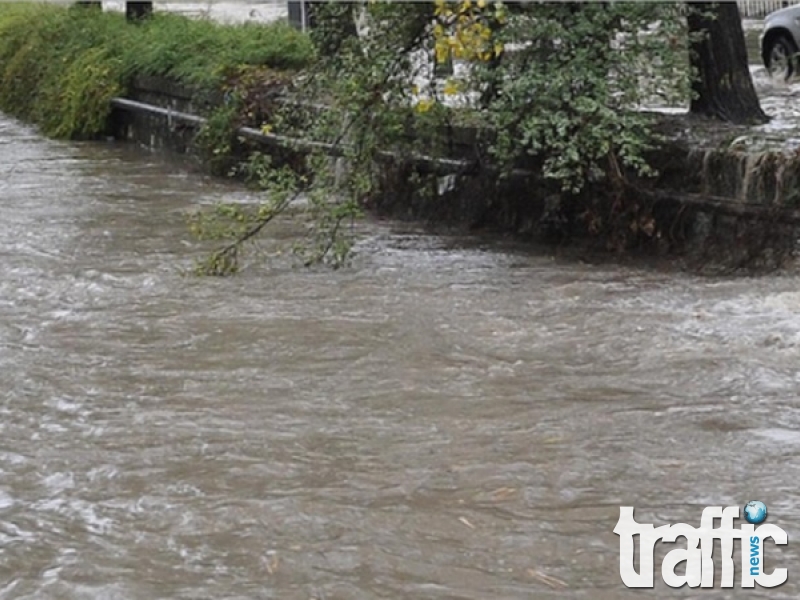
755, 512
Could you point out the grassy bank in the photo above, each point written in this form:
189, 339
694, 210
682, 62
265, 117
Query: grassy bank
60, 66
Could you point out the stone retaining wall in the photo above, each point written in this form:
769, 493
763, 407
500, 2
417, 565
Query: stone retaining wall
725, 200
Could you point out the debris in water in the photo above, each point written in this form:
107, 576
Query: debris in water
502, 493
550, 581
466, 522
271, 562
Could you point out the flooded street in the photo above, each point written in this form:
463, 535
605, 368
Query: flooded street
444, 419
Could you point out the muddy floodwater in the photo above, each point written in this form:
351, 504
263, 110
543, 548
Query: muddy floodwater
445, 419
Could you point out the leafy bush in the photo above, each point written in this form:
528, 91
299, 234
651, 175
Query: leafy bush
553, 87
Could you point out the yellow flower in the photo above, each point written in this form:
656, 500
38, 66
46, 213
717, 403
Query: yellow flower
266, 128
498, 48
481, 3
424, 105
451, 87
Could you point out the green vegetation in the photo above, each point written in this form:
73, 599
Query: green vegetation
60, 66
555, 84
553, 88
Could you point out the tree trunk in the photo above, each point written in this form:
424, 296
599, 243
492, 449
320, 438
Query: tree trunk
723, 87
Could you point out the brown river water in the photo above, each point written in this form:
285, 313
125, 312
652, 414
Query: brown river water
446, 418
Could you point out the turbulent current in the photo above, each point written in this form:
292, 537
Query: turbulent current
447, 418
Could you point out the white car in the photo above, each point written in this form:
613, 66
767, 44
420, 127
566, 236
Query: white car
780, 41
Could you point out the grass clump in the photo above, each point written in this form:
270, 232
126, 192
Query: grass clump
60, 66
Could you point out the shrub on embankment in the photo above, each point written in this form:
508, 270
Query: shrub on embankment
60, 66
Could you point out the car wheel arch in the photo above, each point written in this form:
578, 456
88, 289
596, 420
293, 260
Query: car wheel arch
771, 35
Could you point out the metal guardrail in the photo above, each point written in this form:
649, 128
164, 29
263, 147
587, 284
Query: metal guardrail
443, 166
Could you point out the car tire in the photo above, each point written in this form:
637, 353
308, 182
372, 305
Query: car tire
780, 56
